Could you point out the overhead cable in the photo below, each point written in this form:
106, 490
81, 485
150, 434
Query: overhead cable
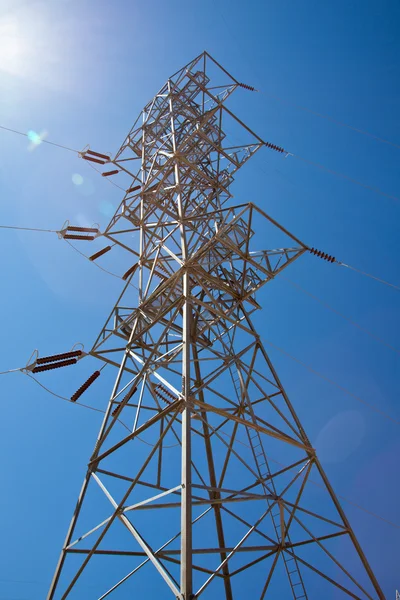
358, 506
334, 383
329, 118
396, 287
344, 176
334, 310
41, 141
91, 260
28, 228
320, 115
332, 259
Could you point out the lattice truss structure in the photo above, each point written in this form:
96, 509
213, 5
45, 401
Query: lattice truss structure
202, 482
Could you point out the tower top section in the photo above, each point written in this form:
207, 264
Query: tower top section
186, 126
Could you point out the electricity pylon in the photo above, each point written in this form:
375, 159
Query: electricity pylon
180, 486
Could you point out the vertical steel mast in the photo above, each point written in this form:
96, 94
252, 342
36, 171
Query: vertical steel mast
202, 482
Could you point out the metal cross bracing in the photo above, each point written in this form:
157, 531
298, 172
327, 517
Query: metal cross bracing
180, 485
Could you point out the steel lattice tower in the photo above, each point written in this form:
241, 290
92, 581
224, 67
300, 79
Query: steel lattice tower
183, 483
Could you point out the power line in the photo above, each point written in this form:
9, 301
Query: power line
329, 118
69, 243
243, 443
92, 408
10, 371
63, 397
344, 176
366, 186
299, 157
367, 511
287, 153
332, 259
98, 266
63, 147
41, 141
340, 263
396, 287
28, 228
334, 310
108, 178
305, 108
334, 383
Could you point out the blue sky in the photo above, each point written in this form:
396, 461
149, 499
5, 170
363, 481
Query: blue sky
82, 71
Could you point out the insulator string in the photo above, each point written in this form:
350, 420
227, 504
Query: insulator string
94, 409
63, 397
82, 389
332, 259
358, 506
108, 179
97, 265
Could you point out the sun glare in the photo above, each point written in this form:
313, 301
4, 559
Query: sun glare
13, 48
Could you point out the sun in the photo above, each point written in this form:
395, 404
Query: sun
13, 48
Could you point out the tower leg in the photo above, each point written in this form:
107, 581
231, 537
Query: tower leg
186, 498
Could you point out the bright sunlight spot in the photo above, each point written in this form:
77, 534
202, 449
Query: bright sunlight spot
14, 51
77, 179
34, 137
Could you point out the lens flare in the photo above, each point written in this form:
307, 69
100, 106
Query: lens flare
35, 138
77, 179
106, 208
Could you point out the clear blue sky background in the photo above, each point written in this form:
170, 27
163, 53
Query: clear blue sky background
81, 71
